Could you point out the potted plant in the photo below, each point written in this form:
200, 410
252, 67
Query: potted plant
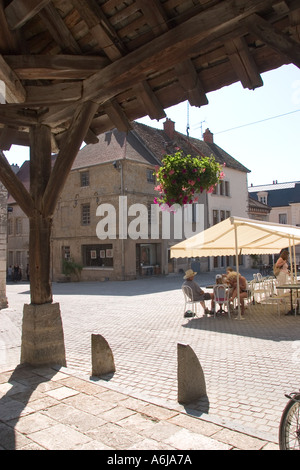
70, 268
181, 177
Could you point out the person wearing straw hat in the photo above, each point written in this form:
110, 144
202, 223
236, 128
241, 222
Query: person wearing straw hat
198, 293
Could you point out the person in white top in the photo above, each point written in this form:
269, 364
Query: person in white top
282, 264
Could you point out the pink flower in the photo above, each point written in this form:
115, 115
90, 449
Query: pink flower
211, 189
191, 182
171, 172
158, 188
155, 200
184, 170
222, 174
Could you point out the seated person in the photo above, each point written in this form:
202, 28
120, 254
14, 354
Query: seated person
232, 281
224, 276
223, 293
198, 293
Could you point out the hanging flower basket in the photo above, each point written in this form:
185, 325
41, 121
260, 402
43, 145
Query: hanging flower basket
182, 177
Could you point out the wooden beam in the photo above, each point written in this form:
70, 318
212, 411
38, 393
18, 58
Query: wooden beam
169, 49
53, 94
8, 40
151, 103
91, 138
154, 15
15, 92
15, 187
117, 116
295, 24
278, 41
100, 28
243, 63
190, 81
18, 12
12, 115
57, 67
58, 29
10, 136
63, 164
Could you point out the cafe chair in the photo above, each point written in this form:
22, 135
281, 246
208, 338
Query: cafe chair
189, 300
279, 301
221, 297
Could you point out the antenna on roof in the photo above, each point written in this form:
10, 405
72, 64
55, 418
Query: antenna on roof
188, 120
201, 127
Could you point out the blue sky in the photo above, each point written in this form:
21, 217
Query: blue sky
260, 128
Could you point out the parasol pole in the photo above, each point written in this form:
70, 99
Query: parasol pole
295, 264
237, 272
291, 258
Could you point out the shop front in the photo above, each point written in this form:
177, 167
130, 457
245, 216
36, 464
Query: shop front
148, 259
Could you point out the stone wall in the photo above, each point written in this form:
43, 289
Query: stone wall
3, 238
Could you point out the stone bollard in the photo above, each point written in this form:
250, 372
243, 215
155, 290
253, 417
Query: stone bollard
191, 381
102, 357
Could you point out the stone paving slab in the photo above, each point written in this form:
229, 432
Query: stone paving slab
76, 420
249, 365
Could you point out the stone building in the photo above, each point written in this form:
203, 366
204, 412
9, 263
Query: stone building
111, 187
284, 201
3, 242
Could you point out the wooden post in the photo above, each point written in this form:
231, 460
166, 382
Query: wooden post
40, 226
42, 330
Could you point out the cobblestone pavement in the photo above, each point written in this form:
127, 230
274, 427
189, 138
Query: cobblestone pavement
248, 364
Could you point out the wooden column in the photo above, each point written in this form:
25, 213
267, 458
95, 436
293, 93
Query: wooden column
40, 226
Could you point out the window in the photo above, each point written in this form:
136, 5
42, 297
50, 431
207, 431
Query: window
227, 189
85, 214
98, 255
215, 217
283, 218
10, 227
84, 178
263, 199
150, 176
18, 226
222, 188
66, 252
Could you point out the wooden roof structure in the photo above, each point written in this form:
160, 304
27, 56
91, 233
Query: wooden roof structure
131, 58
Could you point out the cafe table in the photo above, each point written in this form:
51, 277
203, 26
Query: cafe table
290, 287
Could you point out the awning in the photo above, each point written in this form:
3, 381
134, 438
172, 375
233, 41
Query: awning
235, 236
253, 237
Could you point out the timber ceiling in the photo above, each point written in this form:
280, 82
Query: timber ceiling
131, 58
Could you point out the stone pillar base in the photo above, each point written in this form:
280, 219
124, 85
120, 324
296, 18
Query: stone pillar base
42, 335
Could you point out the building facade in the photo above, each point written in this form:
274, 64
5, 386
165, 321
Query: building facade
106, 222
284, 200
3, 244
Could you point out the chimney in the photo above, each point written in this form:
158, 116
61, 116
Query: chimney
208, 137
169, 128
